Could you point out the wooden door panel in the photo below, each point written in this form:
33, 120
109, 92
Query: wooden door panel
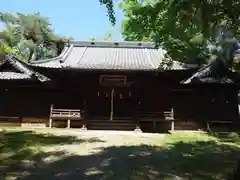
99, 104
123, 104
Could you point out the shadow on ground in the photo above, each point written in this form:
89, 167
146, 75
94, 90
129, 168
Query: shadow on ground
206, 160
26, 145
13, 141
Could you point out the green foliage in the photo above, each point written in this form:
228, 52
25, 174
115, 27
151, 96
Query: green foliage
4, 49
108, 36
183, 27
31, 36
235, 137
110, 7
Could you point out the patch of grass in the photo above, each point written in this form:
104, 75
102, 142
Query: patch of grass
181, 155
229, 137
201, 156
188, 137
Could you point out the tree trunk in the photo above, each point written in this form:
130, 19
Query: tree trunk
31, 55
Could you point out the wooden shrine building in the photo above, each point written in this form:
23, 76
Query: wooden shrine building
112, 85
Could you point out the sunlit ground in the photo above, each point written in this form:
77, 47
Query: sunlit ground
65, 154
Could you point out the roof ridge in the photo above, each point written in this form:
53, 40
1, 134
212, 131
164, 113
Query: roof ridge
115, 44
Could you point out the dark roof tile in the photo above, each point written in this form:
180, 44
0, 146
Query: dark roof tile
13, 75
21, 70
110, 56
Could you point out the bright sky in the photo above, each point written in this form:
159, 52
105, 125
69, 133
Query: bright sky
80, 19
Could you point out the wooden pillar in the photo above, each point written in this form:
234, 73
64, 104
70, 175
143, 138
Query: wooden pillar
50, 122
137, 107
68, 123
154, 125
208, 127
85, 115
172, 125
172, 120
50, 116
112, 103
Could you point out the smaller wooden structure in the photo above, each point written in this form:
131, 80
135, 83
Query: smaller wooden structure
65, 114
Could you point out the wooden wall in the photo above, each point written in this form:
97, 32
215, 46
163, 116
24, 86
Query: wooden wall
156, 92
206, 103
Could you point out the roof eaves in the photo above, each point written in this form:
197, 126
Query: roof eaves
25, 69
214, 72
57, 66
60, 59
19, 66
109, 69
13, 76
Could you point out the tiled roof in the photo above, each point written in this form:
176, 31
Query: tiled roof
110, 56
215, 72
20, 70
13, 75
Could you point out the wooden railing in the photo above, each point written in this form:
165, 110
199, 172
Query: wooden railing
161, 115
65, 114
157, 116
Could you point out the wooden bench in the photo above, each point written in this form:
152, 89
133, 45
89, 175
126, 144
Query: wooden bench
65, 114
157, 116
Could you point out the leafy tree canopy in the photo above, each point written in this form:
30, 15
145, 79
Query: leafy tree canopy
183, 27
107, 36
5, 49
30, 36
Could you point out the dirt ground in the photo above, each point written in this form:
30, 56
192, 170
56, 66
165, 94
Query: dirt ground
73, 154
95, 141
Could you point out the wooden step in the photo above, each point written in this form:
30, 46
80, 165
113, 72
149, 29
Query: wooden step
114, 120
109, 122
108, 118
129, 128
187, 125
33, 125
10, 124
111, 125
104, 125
